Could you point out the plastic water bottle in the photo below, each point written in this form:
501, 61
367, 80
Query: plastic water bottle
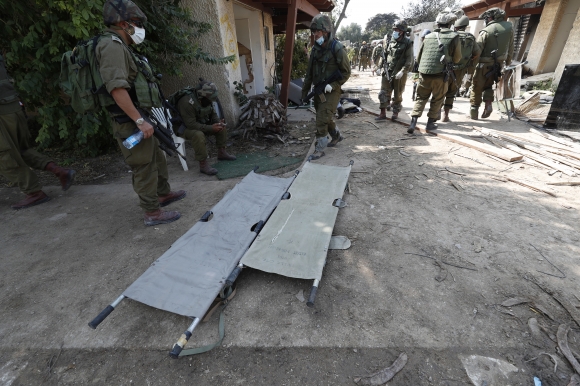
133, 140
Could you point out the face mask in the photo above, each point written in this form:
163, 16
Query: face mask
396, 35
320, 40
139, 35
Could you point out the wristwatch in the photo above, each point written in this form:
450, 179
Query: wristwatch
140, 121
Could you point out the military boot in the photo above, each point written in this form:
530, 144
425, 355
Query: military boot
206, 169
340, 111
473, 112
431, 124
487, 109
158, 216
336, 138
171, 197
65, 176
31, 200
389, 107
319, 147
411, 128
382, 116
395, 115
224, 156
446, 116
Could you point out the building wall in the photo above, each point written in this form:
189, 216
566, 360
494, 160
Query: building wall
571, 52
564, 28
544, 39
220, 41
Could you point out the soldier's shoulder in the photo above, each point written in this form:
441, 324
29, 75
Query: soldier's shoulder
110, 40
337, 45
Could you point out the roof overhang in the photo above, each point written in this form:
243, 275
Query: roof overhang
474, 10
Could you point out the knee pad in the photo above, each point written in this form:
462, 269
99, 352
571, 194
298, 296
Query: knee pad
383, 98
321, 143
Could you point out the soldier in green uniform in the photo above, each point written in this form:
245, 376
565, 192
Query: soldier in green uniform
200, 119
470, 52
498, 37
399, 55
328, 55
354, 62
377, 56
130, 81
363, 56
439, 47
17, 157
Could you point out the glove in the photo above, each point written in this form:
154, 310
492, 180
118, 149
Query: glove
399, 75
328, 89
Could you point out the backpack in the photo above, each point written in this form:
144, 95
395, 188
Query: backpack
80, 78
176, 96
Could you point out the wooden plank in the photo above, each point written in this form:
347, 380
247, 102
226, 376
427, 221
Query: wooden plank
543, 160
506, 179
288, 51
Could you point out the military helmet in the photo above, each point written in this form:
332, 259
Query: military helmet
321, 22
425, 32
446, 17
463, 21
400, 24
207, 90
116, 11
497, 14
364, 42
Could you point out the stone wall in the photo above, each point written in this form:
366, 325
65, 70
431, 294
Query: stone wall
571, 52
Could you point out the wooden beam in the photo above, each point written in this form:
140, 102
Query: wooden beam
288, 50
307, 8
473, 11
255, 5
281, 20
525, 11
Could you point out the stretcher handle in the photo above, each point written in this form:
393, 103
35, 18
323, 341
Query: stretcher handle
96, 321
234, 275
206, 216
310, 302
180, 344
259, 226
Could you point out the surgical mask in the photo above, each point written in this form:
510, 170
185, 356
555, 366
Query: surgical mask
139, 35
396, 35
320, 40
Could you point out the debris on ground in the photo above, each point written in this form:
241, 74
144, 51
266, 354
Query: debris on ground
383, 376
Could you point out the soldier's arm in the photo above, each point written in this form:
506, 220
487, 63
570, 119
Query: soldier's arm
475, 53
214, 116
408, 58
189, 117
343, 67
456, 44
420, 53
307, 80
481, 39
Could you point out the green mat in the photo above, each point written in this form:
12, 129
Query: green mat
246, 163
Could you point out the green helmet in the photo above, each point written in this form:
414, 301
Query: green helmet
446, 17
400, 24
321, 22
115, 11
463, 21
496, 14
207, 90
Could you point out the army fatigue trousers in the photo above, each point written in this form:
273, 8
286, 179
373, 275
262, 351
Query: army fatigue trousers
16, 155
364, 62
148, 166
482, 86
467, 80
197, 138
325, 112
453, 87
395, 87
430, 86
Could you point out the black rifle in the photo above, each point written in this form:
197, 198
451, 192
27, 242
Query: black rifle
448, 70
320, 86
163, 135
495, 69
385, 64
414, 90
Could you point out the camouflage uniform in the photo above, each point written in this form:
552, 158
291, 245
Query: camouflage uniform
323, 62
17, 157
497, 35
363, 55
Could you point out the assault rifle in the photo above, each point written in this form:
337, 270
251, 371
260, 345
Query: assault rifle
495, 69
414, 90
163, 134
320, 86
448, 70
385, 64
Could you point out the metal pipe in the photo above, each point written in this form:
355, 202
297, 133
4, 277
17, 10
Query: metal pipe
110, 308
183, 339
310, 302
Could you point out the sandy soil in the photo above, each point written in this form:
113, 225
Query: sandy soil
481, 243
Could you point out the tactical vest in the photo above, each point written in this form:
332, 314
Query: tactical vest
499, 34
320, 64
431, 56
467, 45
8, 93
396, 52
202, 114
364, 51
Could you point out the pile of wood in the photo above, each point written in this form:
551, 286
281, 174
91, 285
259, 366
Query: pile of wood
264, 112
532, 110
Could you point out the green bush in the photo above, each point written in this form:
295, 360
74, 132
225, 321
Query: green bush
34, 34
299, 58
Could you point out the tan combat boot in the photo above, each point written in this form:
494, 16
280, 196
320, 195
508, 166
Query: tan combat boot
382, 116
65, 176
206, 169
31, 200
487, 109
158, 216
224, 156
446, 116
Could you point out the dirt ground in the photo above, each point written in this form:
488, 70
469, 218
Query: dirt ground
430, 264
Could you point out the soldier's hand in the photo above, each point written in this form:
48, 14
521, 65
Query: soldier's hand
217, 127
147, 129
328, 89
399, 75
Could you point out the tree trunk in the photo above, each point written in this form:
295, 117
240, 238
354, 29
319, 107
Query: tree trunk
342, 14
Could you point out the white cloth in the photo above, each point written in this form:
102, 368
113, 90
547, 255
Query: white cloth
328, 88
399, 75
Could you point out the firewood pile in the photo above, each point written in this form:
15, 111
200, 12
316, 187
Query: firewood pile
263, 112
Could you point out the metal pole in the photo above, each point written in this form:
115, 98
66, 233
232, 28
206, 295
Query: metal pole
183, 339
110, 308
310, 302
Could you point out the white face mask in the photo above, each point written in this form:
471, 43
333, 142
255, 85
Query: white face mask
396, 35
320, 40
139, 35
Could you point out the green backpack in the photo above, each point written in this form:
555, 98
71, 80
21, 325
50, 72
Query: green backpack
80, 78
176, 96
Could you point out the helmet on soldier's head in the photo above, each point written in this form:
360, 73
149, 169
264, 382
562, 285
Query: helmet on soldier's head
116, 11
497, 14
208, 90
446, 17
425, 33
400, 24
463, 21
321, 22
364, 43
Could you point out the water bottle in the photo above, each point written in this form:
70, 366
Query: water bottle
133, 140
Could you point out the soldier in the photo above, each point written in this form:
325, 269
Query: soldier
497, 38
200, 119
399, 56
439, 48
377, 56
328, 55
355, 56
363, 56
16, 156
130, 81
470, 52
